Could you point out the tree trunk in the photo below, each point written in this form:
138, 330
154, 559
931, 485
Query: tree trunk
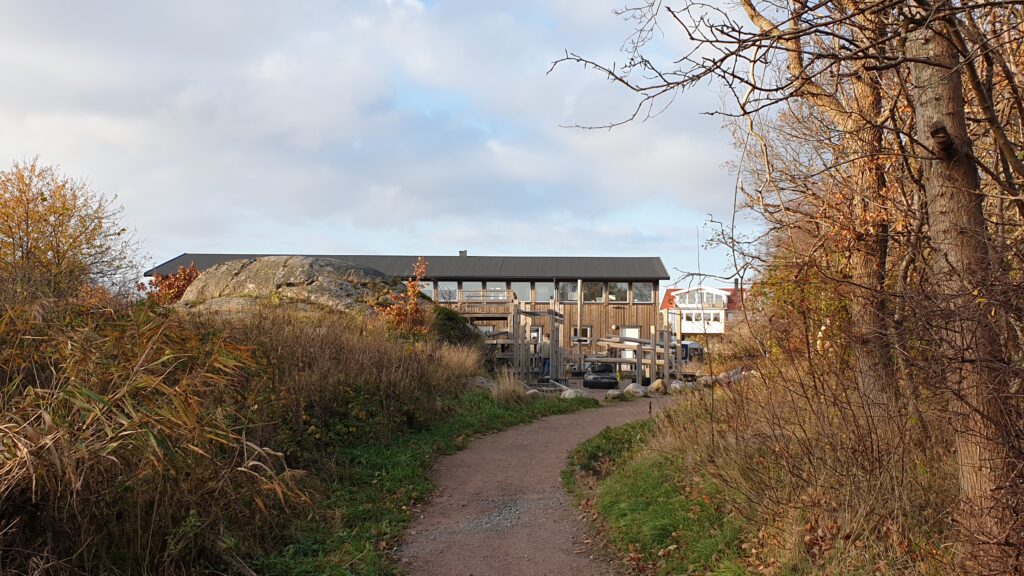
873, 355
962, 267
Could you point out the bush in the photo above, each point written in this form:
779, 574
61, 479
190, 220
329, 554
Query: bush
120, 444
138, 440
449, 326
339, 378
508, 388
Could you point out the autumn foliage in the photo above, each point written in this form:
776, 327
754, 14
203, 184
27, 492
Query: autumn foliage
168, 289
405, 311
57, 234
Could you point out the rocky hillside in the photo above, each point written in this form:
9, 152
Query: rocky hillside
301, 282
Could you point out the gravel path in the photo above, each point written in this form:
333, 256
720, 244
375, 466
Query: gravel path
500, 507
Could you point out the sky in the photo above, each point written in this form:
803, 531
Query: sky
376, 127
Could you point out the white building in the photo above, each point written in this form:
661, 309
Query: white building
695, 311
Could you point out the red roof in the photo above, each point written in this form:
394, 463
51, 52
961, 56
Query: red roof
735, 301
668, 301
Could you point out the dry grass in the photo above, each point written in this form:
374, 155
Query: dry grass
137, 440
828, 484
508, 388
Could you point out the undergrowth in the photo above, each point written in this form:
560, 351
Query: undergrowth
655, 519
138, 440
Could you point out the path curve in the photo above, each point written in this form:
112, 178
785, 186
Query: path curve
500, 507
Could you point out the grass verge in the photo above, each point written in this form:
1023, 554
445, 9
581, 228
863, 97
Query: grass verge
370, 488
656, 520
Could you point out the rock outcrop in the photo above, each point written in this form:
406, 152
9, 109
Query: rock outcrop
303, 282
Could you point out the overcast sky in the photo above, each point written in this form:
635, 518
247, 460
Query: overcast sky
378, 127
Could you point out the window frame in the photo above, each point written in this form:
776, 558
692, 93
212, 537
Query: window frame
575, 293
588, 330
608, 292
441, 292
529, 290
536, 291
632, 292
604, 292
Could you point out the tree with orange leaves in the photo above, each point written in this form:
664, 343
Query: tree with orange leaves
405, 311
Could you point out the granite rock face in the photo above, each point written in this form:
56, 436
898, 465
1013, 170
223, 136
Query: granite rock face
301, 282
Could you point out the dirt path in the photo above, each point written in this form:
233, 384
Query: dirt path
500, 507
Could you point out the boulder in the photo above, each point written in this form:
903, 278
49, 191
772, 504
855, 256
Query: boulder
635, 390
570, 394
533, 393
657, 387
679, 386
301, 282
613, 395
706, 381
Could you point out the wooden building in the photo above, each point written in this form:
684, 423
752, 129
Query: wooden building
598, 296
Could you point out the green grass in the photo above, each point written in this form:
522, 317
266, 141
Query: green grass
662, 523
372, 488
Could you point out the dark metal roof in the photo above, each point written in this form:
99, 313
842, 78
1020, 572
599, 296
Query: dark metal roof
471, 267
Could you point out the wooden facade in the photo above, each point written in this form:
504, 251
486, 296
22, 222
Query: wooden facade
601, 317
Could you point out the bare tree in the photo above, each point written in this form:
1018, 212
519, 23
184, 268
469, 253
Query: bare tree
890, 78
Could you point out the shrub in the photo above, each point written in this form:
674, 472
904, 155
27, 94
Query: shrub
508, 388
138, 440
170, 288
348, 378
120, 444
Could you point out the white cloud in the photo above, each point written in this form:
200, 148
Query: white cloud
380, 126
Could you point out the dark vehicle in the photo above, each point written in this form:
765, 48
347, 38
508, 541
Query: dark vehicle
692, 351
600, 376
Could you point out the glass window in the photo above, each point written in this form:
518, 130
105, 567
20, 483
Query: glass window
427, 289
567, 291
618, 292
522, 291
545, 291
643, 293
472, 291
583, 332
495, 291
717, 317
689, 316
447, 291
593, 291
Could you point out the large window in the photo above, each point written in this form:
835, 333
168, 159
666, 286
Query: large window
545, 291
495, 291
472, 291
427, 289
643, 293
567, 291
522, 291
618, 292
447, 291
593, 292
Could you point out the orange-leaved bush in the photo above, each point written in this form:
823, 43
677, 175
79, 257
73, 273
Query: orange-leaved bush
169, 288
405, 311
